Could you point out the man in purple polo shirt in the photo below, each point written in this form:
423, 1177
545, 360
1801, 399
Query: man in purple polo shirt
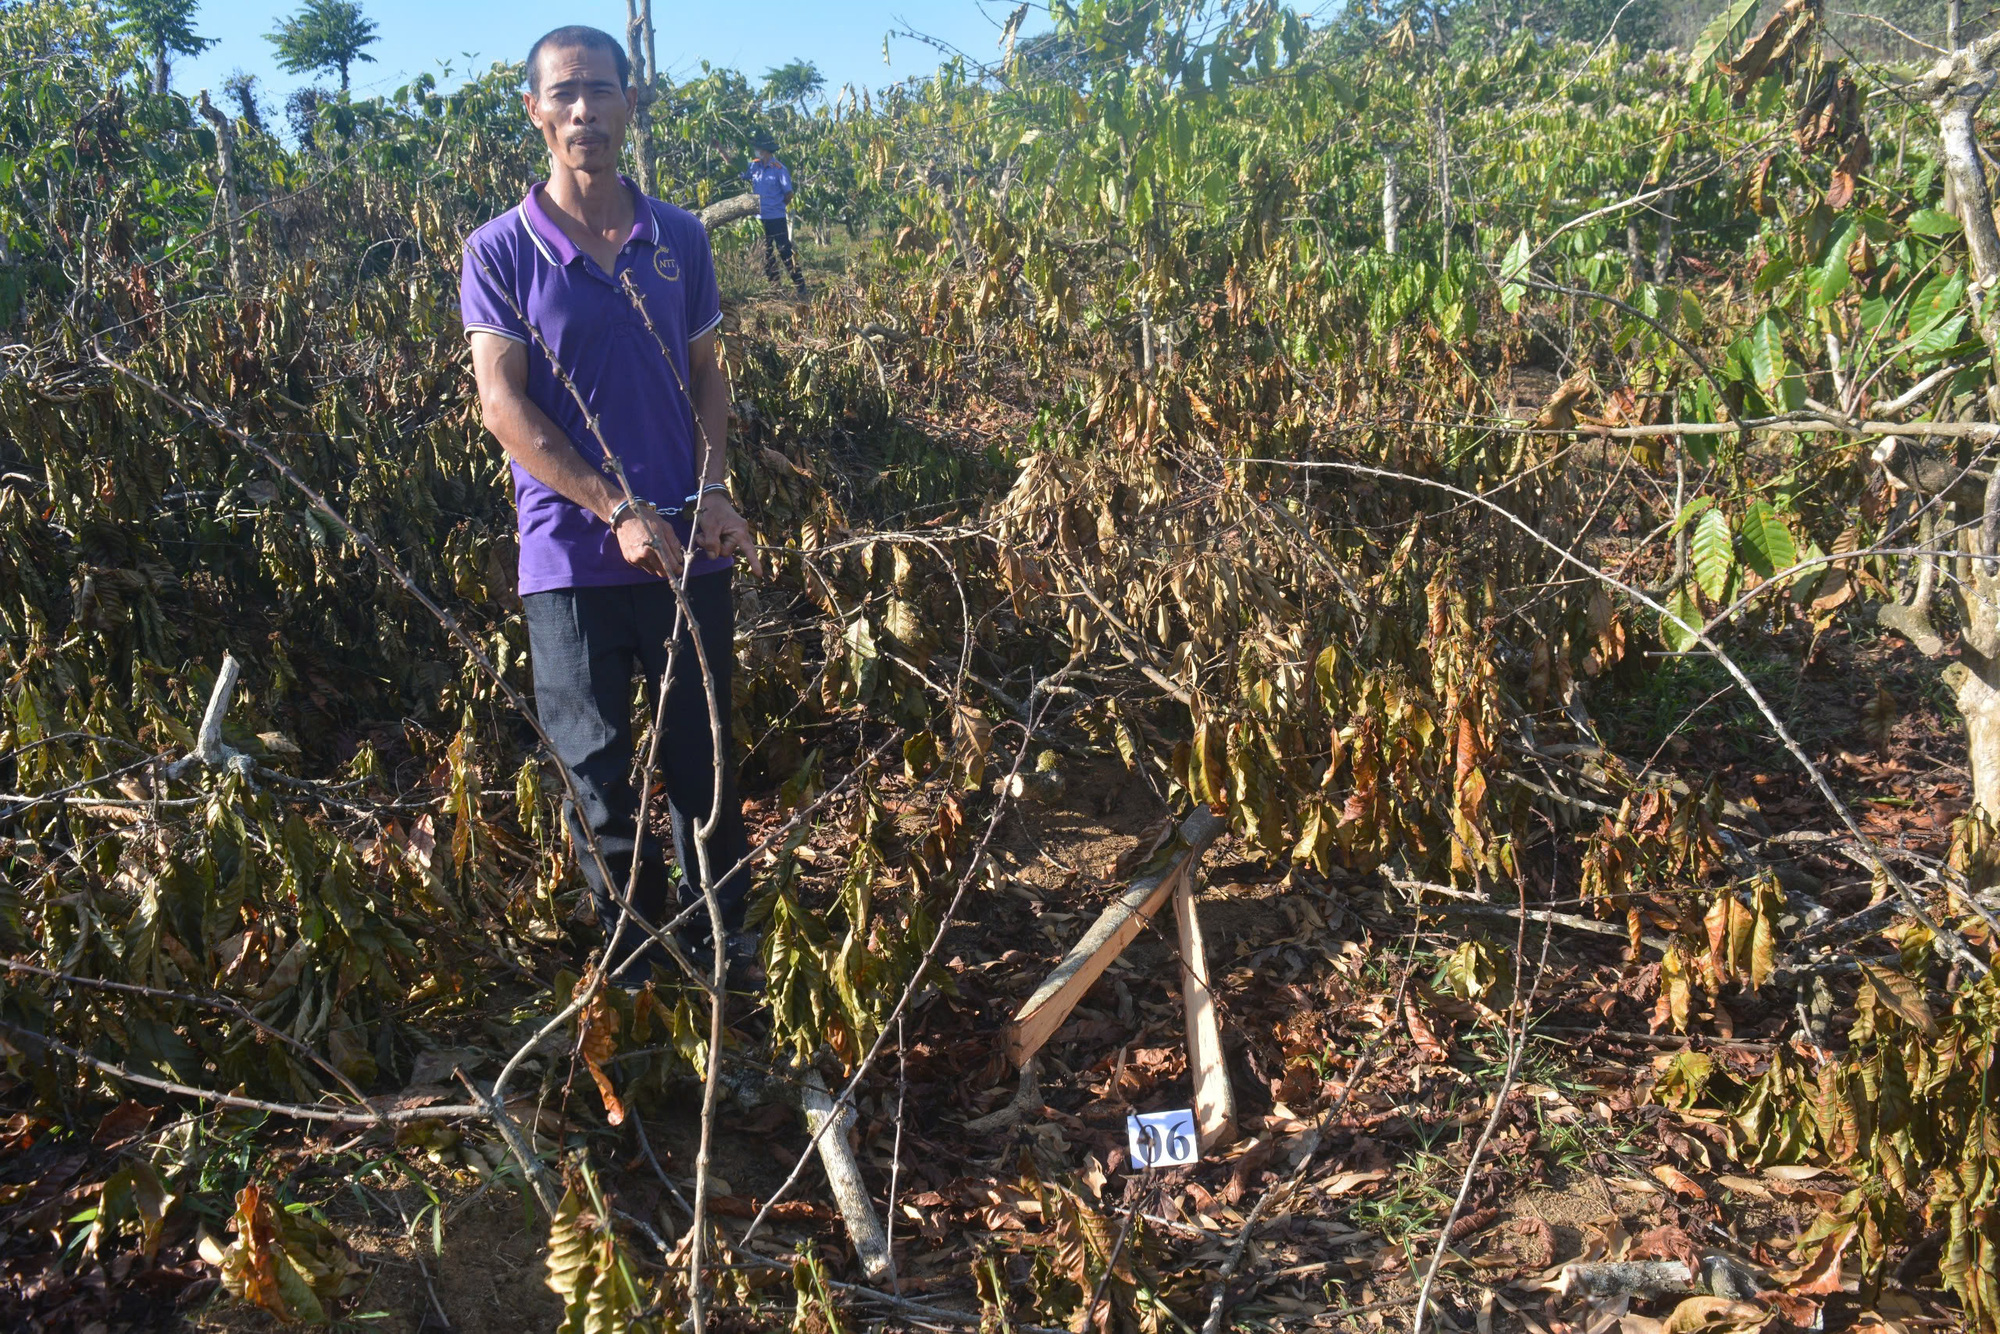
551, 295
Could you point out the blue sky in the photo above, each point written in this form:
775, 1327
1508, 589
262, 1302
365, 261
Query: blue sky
842, 37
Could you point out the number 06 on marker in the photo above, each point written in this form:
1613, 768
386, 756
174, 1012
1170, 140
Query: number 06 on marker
1162, 1139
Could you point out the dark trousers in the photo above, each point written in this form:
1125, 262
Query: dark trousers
777, 246
584, 644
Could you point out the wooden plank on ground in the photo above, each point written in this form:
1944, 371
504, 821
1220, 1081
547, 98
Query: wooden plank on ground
1214, 1100
1107, 938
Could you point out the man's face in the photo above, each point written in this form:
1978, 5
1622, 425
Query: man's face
767, 155
580, 109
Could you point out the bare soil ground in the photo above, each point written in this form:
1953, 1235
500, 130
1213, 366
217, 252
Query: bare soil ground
1307, 976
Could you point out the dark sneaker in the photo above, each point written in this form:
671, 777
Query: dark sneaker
636, 969
745, 966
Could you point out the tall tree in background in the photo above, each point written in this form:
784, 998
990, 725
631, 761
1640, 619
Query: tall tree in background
166, 28
326, 34
302, 111
793, 82
243, 87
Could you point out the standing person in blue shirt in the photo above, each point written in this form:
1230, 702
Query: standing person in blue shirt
773, 185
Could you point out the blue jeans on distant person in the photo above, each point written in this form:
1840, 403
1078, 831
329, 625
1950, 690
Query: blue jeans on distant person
584, 644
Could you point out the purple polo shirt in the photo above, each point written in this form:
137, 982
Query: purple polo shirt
602, 344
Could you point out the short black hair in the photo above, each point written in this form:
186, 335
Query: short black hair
573, 37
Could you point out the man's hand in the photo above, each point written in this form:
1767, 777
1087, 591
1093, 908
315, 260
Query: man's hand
720, 531
646, 541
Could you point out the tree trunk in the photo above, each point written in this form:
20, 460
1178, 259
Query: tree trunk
652, 61
1955, 87
1974, 679
225, 189
1392, 208
1967, 174
1951, 24
1978, 694
1441, 175
950, 180
160, 70
1663, 252
246, 103
639, 50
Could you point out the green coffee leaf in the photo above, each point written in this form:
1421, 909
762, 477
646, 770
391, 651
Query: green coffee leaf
1512, 270
1834, 278
1693, 510
1767, 357
1691, 315
1936, 302
1680, 607
1932, 222
1772, 274
1763, 541
1711, 556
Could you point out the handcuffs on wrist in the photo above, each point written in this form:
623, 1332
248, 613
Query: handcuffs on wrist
631, 506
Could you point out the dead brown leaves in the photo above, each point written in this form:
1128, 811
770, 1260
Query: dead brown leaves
281, 1261
596, 1043
1772, 47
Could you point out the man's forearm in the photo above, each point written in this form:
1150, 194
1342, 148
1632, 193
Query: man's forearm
540, 447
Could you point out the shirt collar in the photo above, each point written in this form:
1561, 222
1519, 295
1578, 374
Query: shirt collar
555, 245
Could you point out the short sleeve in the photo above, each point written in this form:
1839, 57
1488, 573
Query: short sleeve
704, 299
483, 303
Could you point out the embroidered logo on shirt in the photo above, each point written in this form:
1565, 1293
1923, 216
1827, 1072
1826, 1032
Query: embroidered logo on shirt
666, 265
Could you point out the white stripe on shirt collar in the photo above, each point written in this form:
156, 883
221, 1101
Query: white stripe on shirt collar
529, 227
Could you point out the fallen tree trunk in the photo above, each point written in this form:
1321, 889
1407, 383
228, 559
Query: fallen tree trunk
725, 211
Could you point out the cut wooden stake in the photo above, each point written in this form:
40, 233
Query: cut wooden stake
1718, 1274
1214, 1102
1107, 938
